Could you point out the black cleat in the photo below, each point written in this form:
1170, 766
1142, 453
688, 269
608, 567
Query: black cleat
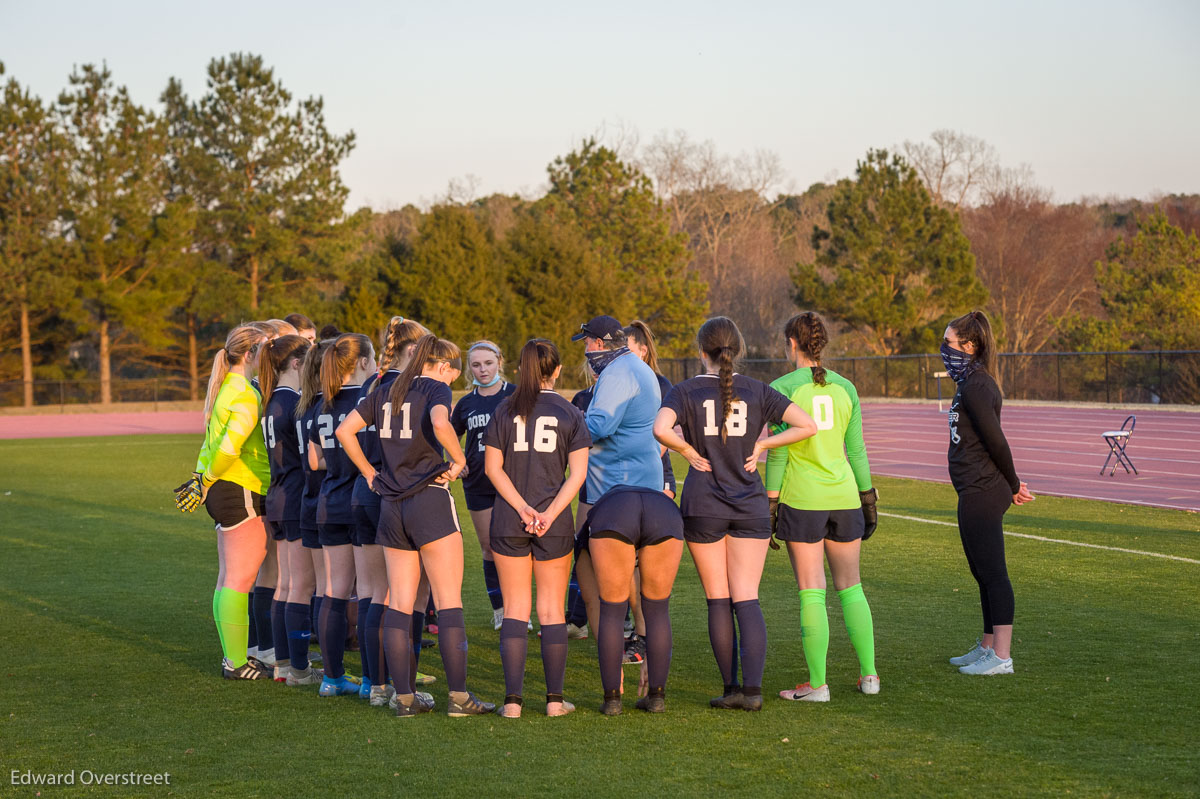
652, 703
246, 671
730, 701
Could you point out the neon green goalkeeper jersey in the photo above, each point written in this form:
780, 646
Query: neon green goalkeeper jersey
234, 448
827, 471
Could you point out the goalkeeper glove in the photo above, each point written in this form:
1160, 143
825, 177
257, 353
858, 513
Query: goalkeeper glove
774, 504
189, 495
870, 513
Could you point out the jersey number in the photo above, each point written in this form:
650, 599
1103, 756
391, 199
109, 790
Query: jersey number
545, 437
325, 430
823, 411
268, 426
385, 429
735, 425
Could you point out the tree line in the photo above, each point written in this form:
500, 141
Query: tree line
132, 238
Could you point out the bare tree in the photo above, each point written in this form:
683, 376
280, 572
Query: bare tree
954, 166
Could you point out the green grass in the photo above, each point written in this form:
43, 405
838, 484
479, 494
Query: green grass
110, 665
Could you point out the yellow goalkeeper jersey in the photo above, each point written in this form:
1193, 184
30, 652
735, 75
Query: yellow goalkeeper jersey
234, 448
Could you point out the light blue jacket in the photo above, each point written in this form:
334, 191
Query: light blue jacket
620, 420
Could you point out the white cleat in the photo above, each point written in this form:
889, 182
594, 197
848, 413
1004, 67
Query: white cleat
309, 676
497, 618
868, 684
975, 654
806, 693
989, 665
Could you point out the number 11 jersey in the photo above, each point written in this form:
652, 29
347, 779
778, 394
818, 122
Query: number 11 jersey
412, 456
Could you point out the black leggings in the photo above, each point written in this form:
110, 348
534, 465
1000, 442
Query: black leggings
981, 528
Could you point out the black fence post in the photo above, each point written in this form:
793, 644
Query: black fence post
1058, 373
1159, 389
62, 396
1107, 391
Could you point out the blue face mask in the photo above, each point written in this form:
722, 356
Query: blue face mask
602, 358
959, 365
495, 380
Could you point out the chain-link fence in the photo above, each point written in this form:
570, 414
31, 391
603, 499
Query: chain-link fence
82, 392
1167, 376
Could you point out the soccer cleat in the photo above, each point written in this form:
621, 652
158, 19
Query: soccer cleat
868, 684
575, 632
246, 671
731, 701
611, 706
467, 704
989, 665
338, 686
806, 693
414, 707
565, 707
309, 676
282, 671
975, 654
381, 695
425, 699
752, 703
652, 703
628, 626
425, 679
364, 689
635, 650
511, 709
497, 618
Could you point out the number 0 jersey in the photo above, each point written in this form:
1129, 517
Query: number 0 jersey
286, 444
814, 474
535, 455
333, 507
728, 491
412, 455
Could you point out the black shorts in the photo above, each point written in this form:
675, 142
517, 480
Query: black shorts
480, 501
546, 547
230, 504
703, 530
366, 522
583, 534
638, 516
335, 535
309, 537
420, 519
812, 526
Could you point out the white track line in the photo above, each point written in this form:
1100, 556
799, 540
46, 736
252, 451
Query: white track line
1053, 540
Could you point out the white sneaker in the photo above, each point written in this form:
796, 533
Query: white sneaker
806, 693
868, 684
381, 695
989, 665
529, 625
497, 618
575, 633
309, 676
975, 654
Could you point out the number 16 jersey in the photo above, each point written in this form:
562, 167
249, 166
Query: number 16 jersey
412, 456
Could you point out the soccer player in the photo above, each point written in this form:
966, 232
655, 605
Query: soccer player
418, 524
307, 409
304, 326
982, 471
726, 518
279, 373
825, 506
231, 478
533, 437
345, 365
470, 417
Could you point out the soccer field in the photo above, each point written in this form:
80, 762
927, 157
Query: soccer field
110, 665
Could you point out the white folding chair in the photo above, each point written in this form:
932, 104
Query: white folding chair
1117, 441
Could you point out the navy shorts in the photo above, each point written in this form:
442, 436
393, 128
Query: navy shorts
335, 535
420, 519
546, 547
291, 529
812, 526
366, 522
638, 516
480, 501
230, 504
309, 537
583, 534
279, 530
703, 530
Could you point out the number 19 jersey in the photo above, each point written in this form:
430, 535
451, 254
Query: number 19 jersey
412, 455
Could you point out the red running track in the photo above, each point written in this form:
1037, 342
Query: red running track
1058, 450
101, 424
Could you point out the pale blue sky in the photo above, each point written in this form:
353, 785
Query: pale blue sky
1100, 98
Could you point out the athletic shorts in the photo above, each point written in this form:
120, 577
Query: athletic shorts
283, 531
638, 517
703, 530
583, 534
334, 535
480, 501
413, 522
546, 547
811, 526
366, 522
230, 504
309, 537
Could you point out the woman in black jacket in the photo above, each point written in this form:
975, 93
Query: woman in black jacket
981, 469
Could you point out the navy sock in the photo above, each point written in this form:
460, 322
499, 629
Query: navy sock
263, 597
754, 642
610, 643
374, 648
252, 634
554, 656
317, 601
514, 646
452, 642
279, 634
364, 643
491, 580
333, 636
414, 660
396, 632
576, 607
299, 631
723, 638
658, 641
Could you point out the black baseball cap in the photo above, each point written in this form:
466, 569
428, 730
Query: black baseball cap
604, 328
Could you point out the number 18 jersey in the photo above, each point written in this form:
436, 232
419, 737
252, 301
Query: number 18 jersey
412, 455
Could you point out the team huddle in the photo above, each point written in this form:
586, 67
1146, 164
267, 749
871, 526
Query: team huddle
327, 466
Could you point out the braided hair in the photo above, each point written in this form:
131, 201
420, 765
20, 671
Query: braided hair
400, 333
808, 332
720, 339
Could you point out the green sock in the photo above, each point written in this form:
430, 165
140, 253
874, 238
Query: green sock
217, 617
234, 623
857, 614
814, 633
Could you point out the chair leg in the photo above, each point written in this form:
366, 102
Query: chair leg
1107, 458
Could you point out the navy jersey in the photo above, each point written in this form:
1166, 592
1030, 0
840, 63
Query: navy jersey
471, 416
664, 388
312, 477
412, 455
338, 485
582, 400
728, 491
535, 455
368, 439
286, 443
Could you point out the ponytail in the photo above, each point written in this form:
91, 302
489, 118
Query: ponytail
975, 328
310, 376
400, 333
640, 332
275, 356
808, 331
720, 339
242, 341
338, 360
539, 359
429, 349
